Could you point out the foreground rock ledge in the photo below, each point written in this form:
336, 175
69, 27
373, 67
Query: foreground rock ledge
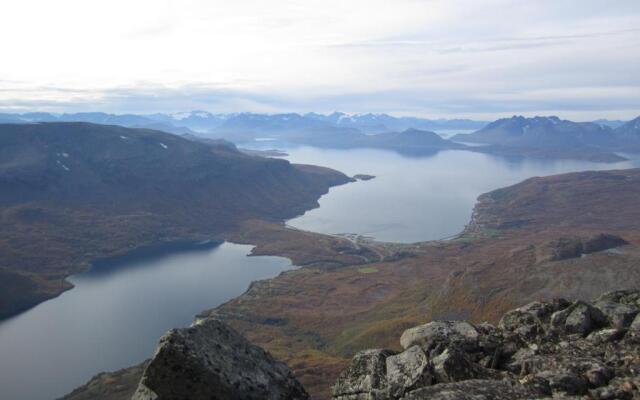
558, 349
211, 361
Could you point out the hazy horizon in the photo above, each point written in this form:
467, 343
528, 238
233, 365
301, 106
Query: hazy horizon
177, 114
431, 59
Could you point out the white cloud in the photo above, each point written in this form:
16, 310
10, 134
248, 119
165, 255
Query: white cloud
289, 54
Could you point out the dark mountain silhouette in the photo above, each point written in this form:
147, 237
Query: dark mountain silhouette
548, 137
628, 136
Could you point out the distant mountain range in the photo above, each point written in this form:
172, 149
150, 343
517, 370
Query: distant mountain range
71, 193
207, 123
337, 130
556, 137
161, 122
379, 123
540, 137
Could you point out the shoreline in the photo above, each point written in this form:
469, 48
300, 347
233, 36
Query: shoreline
142, 252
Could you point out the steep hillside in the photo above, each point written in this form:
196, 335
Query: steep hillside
74, 192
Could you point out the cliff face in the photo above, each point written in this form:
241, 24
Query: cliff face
556, 349
209, 360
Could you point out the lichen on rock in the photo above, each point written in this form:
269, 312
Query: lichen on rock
209, 360
556, 349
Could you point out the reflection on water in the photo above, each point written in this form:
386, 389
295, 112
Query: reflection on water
113, 320
416, 198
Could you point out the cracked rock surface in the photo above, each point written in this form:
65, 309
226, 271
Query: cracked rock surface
211, 361
557, 349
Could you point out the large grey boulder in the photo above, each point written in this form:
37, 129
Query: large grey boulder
211, 361
408, 370
620, 316
635, 325
366, 376
444, 332
579, 318
529, 320
627, 296
452, 365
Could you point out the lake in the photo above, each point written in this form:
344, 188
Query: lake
115, 315
416, 198
118, 310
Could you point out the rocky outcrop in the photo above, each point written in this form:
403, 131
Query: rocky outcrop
211, 361
572, 247
556, 349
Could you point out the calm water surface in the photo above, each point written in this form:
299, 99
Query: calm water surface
115, 315
416, 198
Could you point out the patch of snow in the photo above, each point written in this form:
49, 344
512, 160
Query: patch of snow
615, 250
264, 139
123, 137
65, 155
62, 165
164, 146
181, 115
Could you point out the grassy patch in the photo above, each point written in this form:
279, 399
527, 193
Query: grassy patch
368, 270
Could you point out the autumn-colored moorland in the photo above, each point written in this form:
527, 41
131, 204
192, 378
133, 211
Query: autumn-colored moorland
535, 240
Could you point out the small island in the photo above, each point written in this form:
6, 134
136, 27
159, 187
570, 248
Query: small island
363, 177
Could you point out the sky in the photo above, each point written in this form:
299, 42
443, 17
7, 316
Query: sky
485, 59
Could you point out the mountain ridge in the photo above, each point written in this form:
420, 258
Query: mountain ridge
552, 135
204, 121
536, 137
